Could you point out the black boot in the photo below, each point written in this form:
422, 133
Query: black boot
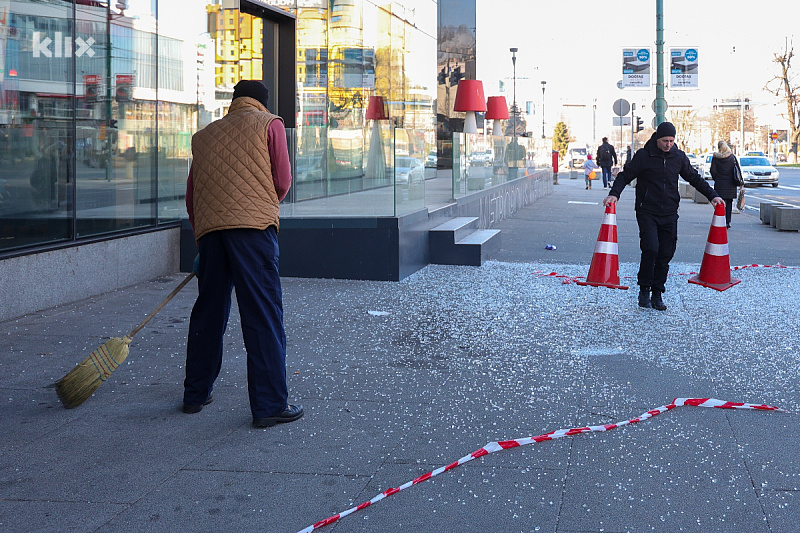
657, 302
644, 297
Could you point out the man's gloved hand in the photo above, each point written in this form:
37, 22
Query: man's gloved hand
196, 264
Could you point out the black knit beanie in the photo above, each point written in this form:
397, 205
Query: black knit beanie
253, 89
665, 129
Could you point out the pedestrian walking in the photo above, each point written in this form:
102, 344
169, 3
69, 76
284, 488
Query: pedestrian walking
656, 167
589, 166
606, 158
627, 155
239, 175
722, 170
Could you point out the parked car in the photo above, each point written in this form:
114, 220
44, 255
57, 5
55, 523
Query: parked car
430, 160
695, 161
706, 166
408, 170
782, 158
758, 171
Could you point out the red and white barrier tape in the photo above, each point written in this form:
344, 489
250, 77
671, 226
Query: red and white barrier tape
566, 280
506, 444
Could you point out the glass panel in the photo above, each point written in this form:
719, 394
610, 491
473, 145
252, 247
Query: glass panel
482, 161
36, 110
116, 126
176, 125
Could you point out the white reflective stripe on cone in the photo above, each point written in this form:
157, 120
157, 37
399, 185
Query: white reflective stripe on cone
719, 222
717, 249
604, 247
610, 219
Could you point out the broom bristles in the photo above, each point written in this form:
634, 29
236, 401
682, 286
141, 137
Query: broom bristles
81, 382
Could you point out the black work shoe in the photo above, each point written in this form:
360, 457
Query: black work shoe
190, 409
290, 414
657, 302
644, 297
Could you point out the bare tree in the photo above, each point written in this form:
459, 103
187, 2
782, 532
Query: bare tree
685, 121
784, 86
723, 121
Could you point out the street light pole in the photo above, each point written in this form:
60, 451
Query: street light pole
514, 63
543, 84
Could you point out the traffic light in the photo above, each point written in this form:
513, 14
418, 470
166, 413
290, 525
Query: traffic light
747, 104
455, 76
442, 76
639, 124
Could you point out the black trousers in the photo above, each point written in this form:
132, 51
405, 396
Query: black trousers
658, 238
728, 210
247, 260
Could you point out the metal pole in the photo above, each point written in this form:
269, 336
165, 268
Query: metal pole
543, 84
741, 117
514, 110
659, 61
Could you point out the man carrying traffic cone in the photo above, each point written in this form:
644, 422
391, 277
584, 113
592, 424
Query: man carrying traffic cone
656, 167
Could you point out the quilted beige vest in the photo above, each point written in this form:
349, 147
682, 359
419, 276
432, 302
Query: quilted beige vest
232, 172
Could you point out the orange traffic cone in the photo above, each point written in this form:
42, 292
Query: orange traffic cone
604, 270
715, 271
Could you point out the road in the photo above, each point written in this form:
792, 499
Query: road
787, 192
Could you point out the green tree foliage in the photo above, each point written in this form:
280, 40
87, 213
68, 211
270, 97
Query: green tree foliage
561, 138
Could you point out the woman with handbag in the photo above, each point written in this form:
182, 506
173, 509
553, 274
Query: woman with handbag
727, 176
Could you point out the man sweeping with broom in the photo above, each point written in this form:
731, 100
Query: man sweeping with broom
239, 175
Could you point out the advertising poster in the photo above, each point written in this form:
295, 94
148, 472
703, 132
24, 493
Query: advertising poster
683, 68
636, 68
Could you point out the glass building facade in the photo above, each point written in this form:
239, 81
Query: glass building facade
99, 100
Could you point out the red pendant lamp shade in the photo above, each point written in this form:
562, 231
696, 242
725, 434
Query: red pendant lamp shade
497, 109
376, 109
469, 96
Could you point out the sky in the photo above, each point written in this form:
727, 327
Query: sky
576, 47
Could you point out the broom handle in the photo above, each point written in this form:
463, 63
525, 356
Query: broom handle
177, 289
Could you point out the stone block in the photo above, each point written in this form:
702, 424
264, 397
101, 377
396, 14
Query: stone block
685, 189
787, 218
772, 213
764, 211
698, 197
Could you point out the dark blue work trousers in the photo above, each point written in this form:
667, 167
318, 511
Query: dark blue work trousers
658, 238
247, 260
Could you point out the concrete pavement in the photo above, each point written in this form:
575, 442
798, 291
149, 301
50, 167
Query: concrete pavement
398, 379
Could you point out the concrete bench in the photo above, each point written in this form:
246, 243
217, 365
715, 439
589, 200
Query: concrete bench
787, 218
685, 189
698, 197
772, 209
765, 210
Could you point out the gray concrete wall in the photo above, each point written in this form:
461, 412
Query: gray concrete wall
32, 282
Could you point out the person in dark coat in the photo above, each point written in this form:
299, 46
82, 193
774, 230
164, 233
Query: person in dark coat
606, 158
656, 167
722, 164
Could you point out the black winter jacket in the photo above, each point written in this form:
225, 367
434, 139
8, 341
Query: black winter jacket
657, 174
606, 155
722, 173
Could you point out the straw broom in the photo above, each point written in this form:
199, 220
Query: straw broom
81, 382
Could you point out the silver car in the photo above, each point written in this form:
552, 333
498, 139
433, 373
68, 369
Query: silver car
756, 170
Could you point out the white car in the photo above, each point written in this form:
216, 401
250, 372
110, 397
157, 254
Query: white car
408, 170
705, 166
756, 170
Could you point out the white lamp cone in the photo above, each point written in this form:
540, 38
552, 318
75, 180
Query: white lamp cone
497, 130
470, 124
